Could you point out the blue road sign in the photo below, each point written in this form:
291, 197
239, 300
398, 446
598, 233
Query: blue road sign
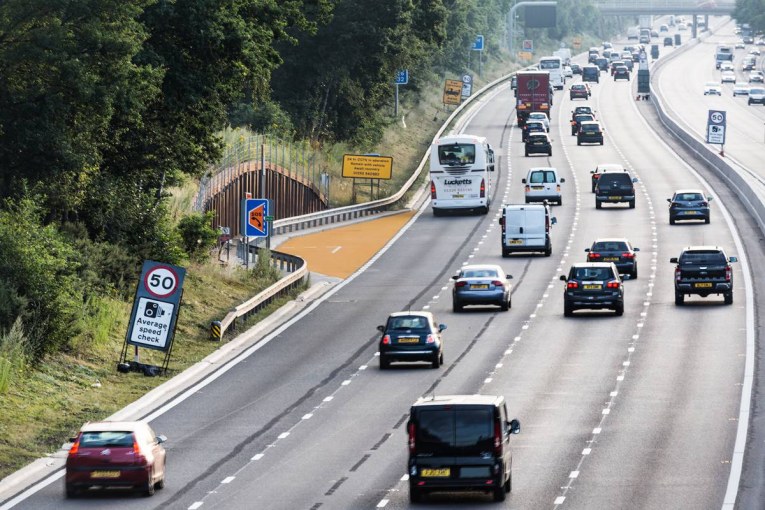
253, 219
402, 77
478, 43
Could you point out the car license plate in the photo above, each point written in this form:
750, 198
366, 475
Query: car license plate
105, 474
691, 212
516, 241
610, 259
703, 285
480, 286
537, 187
458, 196
539, 143
442, 472
614, 198
592, 287
408, 339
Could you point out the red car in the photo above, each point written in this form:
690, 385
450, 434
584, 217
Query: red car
579, 90
123, 454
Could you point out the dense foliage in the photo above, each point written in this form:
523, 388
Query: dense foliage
105, 104
752, 12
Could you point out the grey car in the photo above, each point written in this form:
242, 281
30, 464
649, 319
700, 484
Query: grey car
688, 204
485, 284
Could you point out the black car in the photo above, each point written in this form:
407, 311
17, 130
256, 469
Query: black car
538, 143
575, 68
411, 336
593, 285
688, 204
667, 41
591, 73
601, 169
577, 120
601, 63
614, 188
703, 270
621, 73
481, 284
617, 250
590, 131
579, 90
532, 126
460, 443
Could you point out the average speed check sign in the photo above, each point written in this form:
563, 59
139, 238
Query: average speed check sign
716, 127
161, 281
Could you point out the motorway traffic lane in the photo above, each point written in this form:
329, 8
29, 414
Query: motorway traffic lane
341, 251
616, 412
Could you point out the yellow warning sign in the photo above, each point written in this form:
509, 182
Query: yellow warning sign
368, 167
453, 92
525, 55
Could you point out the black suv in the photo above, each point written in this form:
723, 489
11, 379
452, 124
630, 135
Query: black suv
703, 270
460, 443
538, 143
593, 285
615, 187
589, 132
617, 250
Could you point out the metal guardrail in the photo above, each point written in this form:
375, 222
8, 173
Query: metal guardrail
296, 266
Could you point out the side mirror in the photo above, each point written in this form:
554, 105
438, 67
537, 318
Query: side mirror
161, 439
509, 277
625, 277
563, 277
634, 179
73, 439
669, 200
553, 221
593, 171
502, 220
515, 426
733, 259
523, 181
673, 260
456, 277
441, 327
709, 199
635, 249
562, 180
587, 250
381, 328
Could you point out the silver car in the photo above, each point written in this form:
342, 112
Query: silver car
484, 284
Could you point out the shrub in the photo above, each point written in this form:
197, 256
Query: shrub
198, 235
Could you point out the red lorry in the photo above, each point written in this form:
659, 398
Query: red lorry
533, 94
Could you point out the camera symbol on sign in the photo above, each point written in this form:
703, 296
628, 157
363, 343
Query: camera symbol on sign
153, 310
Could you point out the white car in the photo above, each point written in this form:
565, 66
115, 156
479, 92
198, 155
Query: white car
756, 96
541, 117
740, 89
543, 184
712, 88
728, 77
754, 51
567, 72
756, 77
726, 66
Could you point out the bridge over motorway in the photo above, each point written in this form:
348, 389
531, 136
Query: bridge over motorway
663, 7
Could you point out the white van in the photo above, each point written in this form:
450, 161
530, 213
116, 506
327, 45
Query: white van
461, 168
543, 184
526, 228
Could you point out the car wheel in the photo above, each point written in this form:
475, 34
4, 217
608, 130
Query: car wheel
499, 494
578, 142
632, 204
436, 362
593, 186
509, 483
548, 250
505, 253
749, 102
619, 308
549, 153
728, 296
436, 212
456, 307
527, 154
415, 495
706, 220
601, 142
384, 363
679, 298
598, 205
568, 310
560, 201
149, 489
671, 220
71, 491
634, 274
504, 306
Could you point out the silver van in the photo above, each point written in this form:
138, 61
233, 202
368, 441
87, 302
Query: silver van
526, 228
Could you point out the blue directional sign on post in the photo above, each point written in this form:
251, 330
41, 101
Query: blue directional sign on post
254, 212
716, 127
478, 43
402, 77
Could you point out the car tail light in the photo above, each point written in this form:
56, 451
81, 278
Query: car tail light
460, 283
432, 190
593, 256
628, 255
386, 340
613, 285
677, 274
728, 273
138, 455
704, 204
557, 188
572, 285
75, 447
431, 339
410, 429
527, 188
497, 438
483, 188
497, 283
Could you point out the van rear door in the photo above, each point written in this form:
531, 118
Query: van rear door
535, 229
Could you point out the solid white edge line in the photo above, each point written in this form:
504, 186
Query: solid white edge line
737, 460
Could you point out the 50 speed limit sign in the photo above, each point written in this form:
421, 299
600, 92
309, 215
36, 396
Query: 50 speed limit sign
161, 281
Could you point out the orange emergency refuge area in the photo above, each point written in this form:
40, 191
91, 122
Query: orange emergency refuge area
339, 252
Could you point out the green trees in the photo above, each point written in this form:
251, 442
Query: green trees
752, 12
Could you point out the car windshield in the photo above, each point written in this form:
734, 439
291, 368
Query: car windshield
479, 273
539, 137
687, 197
541, 176
701, 258
618, 178
590, 127
592, 273
408, 322
610, 246
104, 439
443, 431
456, 154
756, 91
582, 118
